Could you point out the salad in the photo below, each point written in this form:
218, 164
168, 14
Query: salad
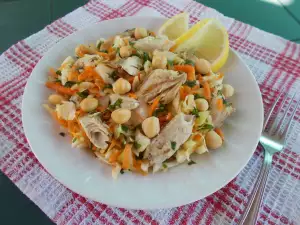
138, 104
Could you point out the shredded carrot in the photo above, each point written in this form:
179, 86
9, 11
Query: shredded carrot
103, 54
99, 82
94, 90
207, 92
137, 166
59, 88
114, 156
154, 106
52, 73
188, 69
220, 133
184, 91
82, 50
100, 108
112, 144
220, 76
220, 104
197, 137
110, 50
130, 79
165, 118
127, 157
60, 121
89, 73
83, 76
132, 95
169, 116
200, 78
187, 89
72, 126
72, 76
195, 88
112, 127
79, 113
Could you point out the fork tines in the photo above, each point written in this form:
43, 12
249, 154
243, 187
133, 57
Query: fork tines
282, 123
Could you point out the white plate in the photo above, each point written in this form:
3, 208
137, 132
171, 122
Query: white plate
84, 174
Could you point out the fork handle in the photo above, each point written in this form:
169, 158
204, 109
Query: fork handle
251, 212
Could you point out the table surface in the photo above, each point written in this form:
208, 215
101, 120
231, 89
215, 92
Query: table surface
21, 18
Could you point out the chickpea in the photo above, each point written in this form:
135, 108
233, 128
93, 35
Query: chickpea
201, 104
121, 86
89, 104
85, 85
227, 90
121, 116
202, 66
159, 62
151, 126
55, 99
125, 51
140, 33
213, 140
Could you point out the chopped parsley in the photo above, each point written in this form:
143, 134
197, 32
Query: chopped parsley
93, 111
83, 94
124, 128
58, 72
190, 83
173, 145
99, 44
164, 166
74, 139
116, 105
206, 126
189, 62
109, 86
62, 134
170, 63
227, 104
122, 171
191, 163
137, 145
196, 96
69, 83
104, 51
142, 55
131, 43
114, 75
195, 112
146, 57
160, 109
118, 51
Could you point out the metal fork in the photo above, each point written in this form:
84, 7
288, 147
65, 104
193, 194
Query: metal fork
272, 142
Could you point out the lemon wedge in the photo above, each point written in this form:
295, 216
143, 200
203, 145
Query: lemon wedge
175, 26
207, 39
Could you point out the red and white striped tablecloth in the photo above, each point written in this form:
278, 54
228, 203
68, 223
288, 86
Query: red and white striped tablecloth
274, 61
